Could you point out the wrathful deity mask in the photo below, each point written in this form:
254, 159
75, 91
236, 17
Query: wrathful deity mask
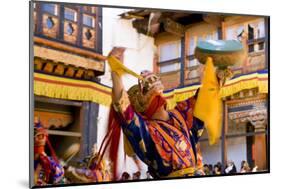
40, 135
147, 96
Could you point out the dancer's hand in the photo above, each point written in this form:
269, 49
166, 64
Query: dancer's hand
117, 88
117, 52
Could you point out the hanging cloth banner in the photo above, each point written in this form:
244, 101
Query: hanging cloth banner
73, 89
248, 81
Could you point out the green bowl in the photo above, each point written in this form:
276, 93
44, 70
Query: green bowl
223, 52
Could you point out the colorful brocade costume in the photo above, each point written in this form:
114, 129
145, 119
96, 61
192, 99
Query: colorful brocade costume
169, 148
85, 175
95, 172
47, 169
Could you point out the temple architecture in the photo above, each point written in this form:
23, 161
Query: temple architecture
67, 48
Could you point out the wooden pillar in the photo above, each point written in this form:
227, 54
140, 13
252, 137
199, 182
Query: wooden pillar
61, 21
99, 23
182, 60
93, 124
260, 148
260, 151
267, 37
220, 31
80, 26
89, 114
39, 21
84, 120
223, 136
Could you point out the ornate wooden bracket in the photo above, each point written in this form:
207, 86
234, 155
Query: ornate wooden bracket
213, 19
151, 26
173, 27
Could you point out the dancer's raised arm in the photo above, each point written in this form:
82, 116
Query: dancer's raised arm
118, 87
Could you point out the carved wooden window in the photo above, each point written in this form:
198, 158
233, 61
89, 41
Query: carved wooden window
50, 19
88, 34
70, 14
256, 39
250, 32
69, 29
50, 8
89, 29
169, 67
50, 23
169, 56
75, 25
88, 21
70, 25
169, 51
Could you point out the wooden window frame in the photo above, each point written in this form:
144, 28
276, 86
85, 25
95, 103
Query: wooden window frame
93, 21
75, 14
169, 61
166, 43
60, 15
57, 12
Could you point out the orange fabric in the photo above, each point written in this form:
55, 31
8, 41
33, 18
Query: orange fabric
172, 143
190, 120
39, 149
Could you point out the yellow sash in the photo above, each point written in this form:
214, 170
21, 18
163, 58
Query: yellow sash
182, 172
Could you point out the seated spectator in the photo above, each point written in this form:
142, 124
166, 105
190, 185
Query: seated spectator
217, 169
211, 169
125, 176
255, 169
206, 169
230, 168
136, 175
219, 165
245, 168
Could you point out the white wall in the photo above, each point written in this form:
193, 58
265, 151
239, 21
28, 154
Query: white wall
236, 151
210, 154
138, 56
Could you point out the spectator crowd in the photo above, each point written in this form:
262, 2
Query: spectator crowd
230, 168
209, 169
